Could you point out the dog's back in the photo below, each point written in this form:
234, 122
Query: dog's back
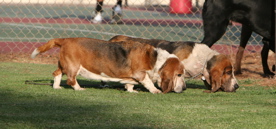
152, 42
181, 49
139, 54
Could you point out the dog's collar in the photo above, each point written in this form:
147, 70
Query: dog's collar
196, 75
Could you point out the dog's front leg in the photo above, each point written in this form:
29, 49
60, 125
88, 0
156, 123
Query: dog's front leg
149, 85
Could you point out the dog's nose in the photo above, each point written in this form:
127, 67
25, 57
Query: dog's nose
236, 86
184, 88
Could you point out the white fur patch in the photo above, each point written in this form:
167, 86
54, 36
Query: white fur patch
197, 60
172, 56
103, 77
57, 80
35, 53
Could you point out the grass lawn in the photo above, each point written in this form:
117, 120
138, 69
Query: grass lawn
39, 106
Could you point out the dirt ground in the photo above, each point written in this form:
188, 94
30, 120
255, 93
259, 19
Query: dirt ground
252, 72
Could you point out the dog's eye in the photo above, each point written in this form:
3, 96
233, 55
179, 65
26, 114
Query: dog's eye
229, 72
179, 75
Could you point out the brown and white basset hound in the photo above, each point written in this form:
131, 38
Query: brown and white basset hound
124, 62
198, 59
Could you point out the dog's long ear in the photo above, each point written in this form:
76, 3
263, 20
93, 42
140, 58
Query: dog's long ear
166, 82
215, 79
166, 86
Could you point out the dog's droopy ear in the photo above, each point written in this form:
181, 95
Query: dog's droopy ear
215, 80
166, 86
166, 82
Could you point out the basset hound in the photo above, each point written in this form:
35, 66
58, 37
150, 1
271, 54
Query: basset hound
198, 59
124, 62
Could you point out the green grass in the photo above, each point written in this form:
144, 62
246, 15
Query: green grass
39, 106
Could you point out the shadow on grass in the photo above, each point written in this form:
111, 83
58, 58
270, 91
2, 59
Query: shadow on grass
195, 86
21, 110
110, 85
87, 84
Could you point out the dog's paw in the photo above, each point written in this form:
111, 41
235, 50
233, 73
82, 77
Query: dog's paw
156, 91
80, 89
57, 87
132, 91
269, 75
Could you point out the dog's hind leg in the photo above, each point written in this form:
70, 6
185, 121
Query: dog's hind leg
245, 35
264, 55
71, 78
74, 83
57, 78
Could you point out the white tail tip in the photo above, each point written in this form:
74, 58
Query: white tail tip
35, 52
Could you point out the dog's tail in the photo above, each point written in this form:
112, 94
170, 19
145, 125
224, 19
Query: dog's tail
47, 46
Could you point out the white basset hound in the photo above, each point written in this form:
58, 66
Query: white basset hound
124, 62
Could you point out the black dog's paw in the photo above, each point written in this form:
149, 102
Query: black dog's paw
269, 75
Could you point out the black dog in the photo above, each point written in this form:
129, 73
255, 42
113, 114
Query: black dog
254, 15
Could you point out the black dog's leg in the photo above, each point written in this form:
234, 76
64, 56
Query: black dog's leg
245, 35
264, 55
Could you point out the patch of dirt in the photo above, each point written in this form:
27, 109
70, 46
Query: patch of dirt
252, 71
26, 58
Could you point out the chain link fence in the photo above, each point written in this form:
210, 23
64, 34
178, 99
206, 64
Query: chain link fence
25, 24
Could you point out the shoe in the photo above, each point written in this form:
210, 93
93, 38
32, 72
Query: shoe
98, 18
117, 9
116, 15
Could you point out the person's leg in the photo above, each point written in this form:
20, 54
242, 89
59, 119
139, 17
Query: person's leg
98, 17
119, 2
117, 13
